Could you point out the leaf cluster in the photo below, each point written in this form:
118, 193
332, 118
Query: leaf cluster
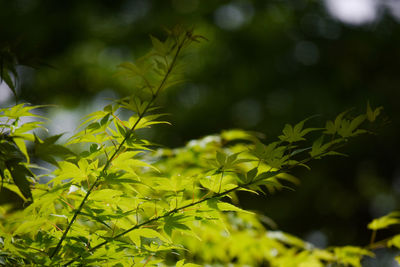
123, 200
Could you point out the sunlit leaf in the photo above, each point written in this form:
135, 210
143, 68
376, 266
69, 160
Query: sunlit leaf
223, 206
176, 222
136, 235
385, 221
295, 133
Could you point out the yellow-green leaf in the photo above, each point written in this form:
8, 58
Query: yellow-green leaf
385, 221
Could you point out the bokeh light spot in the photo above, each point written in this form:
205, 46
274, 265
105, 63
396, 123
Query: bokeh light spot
5, 93
355, 12
233, 16
134, 10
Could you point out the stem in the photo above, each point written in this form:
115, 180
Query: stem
378, 244
218, 195
147, 261
127, 136
373, 236
158, 218
220, 181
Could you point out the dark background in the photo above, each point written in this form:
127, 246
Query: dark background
266, 63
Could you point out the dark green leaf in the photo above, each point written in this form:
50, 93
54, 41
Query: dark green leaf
104, 120
9, 197
47, 150
266, 175
7, 79
10, 152
372, 114
251, 174
174, 222
93, 126
20, 176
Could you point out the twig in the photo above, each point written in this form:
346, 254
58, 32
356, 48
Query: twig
127, 136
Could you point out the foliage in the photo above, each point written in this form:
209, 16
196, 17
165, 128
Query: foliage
120, 199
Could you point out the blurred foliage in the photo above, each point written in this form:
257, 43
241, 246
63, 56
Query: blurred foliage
272, 62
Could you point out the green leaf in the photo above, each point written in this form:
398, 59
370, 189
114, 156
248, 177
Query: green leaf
236, 135
372, 114
351, 255
7, 79
349, 128
333, 127
251, 174
121, 129
30, 223
175, 222
20, 175
390, 219
231, 159
8, 196
93, 117
266, 175
182, 263
286, 238
105, 195
21, 110
272, 154
94, 148
47, 150
93, 126
29, 126
126, 162
68, 170
294, 134
158, 45
330, 128
135, 235
104, 120
221, 158
298, 151
108, 108
130, 68
319, 149
9, 151
224, 206
134, 103
394, 241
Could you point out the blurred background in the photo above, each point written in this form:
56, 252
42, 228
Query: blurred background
266, 63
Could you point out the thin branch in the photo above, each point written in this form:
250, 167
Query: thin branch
218, 195
215, 196
158, 218
127, 136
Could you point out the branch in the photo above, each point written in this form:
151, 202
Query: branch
158, 218
127, 136
215, 196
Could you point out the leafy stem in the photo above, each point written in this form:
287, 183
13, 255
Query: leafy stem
103, 172
201, 200
154, 219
